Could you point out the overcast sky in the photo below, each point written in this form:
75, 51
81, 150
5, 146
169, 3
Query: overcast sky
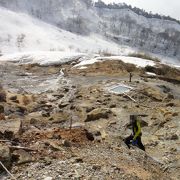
165, 7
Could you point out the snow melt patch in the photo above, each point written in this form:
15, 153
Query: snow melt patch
87, 62
82, 67
150, 73
139, 62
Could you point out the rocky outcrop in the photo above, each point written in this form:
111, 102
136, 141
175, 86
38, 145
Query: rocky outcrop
14, 126
2, 94
97, 114
153, 93
5, 156
84, 138
21, 156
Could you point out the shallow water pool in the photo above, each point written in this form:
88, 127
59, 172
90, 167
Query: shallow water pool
120, 89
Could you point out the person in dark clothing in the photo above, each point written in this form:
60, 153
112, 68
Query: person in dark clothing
135, 137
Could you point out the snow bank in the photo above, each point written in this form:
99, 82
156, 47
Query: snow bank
47, 58
44, 58
139, 62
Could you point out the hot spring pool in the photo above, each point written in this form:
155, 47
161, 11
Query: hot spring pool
120, 89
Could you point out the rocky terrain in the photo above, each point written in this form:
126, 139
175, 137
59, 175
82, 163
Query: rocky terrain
71, 126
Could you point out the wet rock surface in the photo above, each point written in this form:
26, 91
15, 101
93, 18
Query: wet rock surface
73, 128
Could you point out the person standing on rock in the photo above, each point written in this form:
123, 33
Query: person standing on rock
135, 137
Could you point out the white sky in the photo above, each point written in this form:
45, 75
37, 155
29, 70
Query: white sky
165, 7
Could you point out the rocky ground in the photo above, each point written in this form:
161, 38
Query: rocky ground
72, 126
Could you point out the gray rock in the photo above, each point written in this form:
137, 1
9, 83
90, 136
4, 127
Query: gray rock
2, 117
21, 109
13, 98
66, 143
45, 114
171, 104
89, 135
14, 126
22, 156
1, 109
169, 96
59, 96
143, 123
97, 114
2, 95
173, 137
112, 105
63, 104
5, 156
33, 121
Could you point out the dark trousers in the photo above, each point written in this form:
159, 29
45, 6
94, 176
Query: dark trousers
129, 139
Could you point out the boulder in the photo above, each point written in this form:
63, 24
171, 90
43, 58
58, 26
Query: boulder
171, 104
5, 156
104, 135
169, 97
13, 98
89, 109
143, 123
2, 117
21, 109
66, 143
1, 109
22, 156
97, 114
45, 114
153, 93
14, 126
112, 105
164, 88
2, 94
33, 121
63, 104
15, 109
58, 96
172, 136
89, 135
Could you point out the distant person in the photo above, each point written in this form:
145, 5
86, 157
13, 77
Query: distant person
130, 76
135, 137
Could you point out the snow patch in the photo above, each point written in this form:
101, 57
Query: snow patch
82, 67
150, 73
139, 62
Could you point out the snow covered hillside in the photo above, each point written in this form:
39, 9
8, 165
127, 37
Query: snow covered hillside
78, 26
122, 26
19, 32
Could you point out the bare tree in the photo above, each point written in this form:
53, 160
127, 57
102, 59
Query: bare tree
20, 41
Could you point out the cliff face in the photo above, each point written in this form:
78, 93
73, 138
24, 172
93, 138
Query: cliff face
154, 35
123, 26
